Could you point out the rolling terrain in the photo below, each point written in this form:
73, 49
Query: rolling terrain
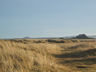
48, 55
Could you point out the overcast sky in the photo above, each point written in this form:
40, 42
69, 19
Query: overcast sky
47, 18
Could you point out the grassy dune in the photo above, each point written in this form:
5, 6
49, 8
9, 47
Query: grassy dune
48, 55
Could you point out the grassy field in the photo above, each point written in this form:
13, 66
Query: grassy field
48, 55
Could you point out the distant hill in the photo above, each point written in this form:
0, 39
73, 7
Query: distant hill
27, 37
82, 36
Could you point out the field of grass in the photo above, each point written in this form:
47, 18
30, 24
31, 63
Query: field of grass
48, 55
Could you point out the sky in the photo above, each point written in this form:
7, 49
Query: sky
47, 18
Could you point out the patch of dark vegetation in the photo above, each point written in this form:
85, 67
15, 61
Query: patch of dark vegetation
20, 41
55, 41
82, 67
90, 52
61, 38
88, 61
80, 45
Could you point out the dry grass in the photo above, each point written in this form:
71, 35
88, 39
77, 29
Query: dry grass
17, 56
42, 55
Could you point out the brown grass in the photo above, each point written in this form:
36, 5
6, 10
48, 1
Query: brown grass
42, 55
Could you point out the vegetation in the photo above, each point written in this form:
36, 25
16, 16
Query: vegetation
48, 55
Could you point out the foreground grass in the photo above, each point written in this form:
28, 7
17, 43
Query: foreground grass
23, 55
